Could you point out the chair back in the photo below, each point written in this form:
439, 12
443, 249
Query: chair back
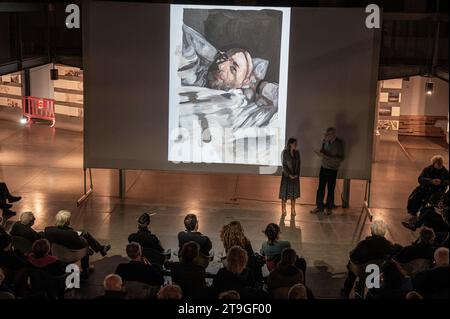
45, 285
68, 256
21, 244
415, 266
139, 290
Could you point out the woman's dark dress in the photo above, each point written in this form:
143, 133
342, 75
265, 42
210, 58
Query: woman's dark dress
290, 188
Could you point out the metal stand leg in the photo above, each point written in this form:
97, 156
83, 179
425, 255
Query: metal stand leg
122, 189
346, 193
86, 192
366, 213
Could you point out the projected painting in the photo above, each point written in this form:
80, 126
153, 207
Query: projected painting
228, 84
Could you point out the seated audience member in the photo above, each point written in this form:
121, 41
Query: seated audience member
113, 287
232, 235
433, 283
13, 264
374, 247
423, 248
40, 258
62, 234
144, 236
139, 269
432, 216
433, 182
236, 276
6, 199
286, 274
23, 227
298, 291
187, 274
5, 292
192, 234
273, 247
413, 295
231, 294
395, 284
170, 292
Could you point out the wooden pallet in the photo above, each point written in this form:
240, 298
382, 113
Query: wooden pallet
421, 125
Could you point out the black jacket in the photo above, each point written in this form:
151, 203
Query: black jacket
428, 174
190, 277
12, 260
146, 239
65, 236
225, 280
20, 230
373, 247
141, 272
432, 283
199, 238
415, 251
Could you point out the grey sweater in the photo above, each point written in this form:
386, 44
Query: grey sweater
334, 154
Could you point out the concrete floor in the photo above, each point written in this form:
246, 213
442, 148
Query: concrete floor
44, 165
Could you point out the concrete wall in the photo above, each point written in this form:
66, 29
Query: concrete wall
416, 102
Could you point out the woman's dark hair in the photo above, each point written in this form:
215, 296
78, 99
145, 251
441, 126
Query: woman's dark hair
189, 251
290, 141
41, 248
288, 258
272, 232
190, 221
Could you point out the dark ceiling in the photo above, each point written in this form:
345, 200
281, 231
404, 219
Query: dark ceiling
414, 33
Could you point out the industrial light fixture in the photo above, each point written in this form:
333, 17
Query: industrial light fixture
429, 87
54, 74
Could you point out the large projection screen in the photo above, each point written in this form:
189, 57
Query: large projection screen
292, 72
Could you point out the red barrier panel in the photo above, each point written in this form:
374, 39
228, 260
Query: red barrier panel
38, 108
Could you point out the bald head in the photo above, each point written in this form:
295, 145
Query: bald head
112, 282
441, 257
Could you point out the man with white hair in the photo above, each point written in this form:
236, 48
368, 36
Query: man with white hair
434, 283
24, 227
113, 287
66, 236
374, 247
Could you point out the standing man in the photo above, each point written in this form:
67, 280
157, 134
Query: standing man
332, 154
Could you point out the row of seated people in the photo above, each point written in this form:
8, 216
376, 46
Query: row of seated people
374, 248
422, 267
193, 245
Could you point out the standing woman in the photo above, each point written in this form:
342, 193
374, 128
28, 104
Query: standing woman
290, 179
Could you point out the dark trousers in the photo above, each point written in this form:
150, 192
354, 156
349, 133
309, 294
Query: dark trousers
349, 283
327, 178
94, 245
4, 193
